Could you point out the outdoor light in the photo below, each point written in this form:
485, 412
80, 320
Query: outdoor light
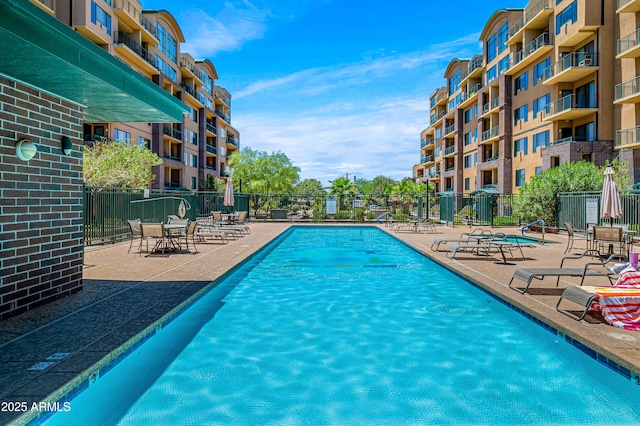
67, 145
25, 149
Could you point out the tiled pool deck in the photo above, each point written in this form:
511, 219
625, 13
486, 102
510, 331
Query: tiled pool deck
127, 294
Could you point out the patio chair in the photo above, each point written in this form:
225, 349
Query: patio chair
574, 236
155, 231
190, 234
610, 236
134, 226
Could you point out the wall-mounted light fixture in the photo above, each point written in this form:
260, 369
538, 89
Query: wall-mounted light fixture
67, 145
26, 150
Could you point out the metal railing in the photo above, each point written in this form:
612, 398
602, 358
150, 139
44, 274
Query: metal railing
572, 207
629, 136
491, 133
574, 59
628, 42
628, 88
569, 102
537, 43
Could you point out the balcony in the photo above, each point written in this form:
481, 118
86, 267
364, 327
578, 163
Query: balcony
570, 107
46, 5
470, 95
474, 70
223, 116
628, 138
233, 141
569, 140
628, 6
211, 149
129, 15
628, 92
450, 150
490, 106
539, 47
490, 135
578, 22
134, 53
535, 17
428, 159
188, 69
172, 133
439, 99
436, 118
629, 46
211, 128
571, 68
188, 89
450, 129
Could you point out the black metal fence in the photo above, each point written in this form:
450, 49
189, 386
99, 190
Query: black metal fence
573, 207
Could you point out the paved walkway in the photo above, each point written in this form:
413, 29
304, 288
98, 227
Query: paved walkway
126, 294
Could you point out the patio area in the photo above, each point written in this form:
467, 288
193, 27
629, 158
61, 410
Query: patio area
124, 295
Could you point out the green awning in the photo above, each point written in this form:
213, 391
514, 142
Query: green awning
43, 52
485, 191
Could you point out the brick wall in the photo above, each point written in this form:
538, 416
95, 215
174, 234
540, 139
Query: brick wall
41, 245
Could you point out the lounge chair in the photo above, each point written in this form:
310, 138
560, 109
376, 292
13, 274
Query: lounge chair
591, 269
465, 237
619, 305
437, 243
482, 244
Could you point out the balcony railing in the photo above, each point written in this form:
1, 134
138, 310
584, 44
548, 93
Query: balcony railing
436, 117
623, 3
627, 137
473, 65
491, 133
172, 157
438, 98
537, 43
174, 133
172, 184
571, 139
569, 102
450, 129
232, 141
449, 150
211, 128
48, 3
528, 15
190, 90
488, 159
628, 42
223, 116
428, 159
628, 88
575, 59
429, 141
187, 64
120, 37
211, 149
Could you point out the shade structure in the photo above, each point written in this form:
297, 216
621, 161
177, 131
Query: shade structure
228, 194
610, 206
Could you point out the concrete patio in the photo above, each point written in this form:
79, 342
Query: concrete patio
127, 297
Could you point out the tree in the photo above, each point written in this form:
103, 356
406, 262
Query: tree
538, 199
310, 188
214, 184
116, 164
342, 187
263, 173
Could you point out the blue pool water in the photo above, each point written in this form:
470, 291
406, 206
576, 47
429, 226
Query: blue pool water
349, 326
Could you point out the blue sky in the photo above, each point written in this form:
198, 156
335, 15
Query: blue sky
340, 86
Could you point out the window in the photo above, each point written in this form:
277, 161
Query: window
194, 137
540, 140
454, 81
538, 170
521, 83
520, 145
438, 132
208, 82
468, 115
520, 177
540, 103
503, 65
521, 113
585, 133
121, 135
99, 16
475, 110
168, 44
167, 70
194, 115
468, 138
538, 70
143, 143
437, 151
467, 184
503, 35
193, 160
475, 158
491, 74
491, 48
568, 15
467, 161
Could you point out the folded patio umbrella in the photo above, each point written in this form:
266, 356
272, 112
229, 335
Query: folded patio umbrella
610, 206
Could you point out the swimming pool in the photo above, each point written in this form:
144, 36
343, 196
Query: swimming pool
334, 325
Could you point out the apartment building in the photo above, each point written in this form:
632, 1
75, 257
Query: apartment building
540, 94
149, 42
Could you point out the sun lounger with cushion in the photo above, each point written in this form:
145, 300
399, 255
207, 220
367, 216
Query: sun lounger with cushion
620, 306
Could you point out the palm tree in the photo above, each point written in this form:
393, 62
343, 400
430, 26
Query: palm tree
341, 188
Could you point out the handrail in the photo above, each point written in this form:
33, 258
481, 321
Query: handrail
540, 221
186, 203
383, 215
